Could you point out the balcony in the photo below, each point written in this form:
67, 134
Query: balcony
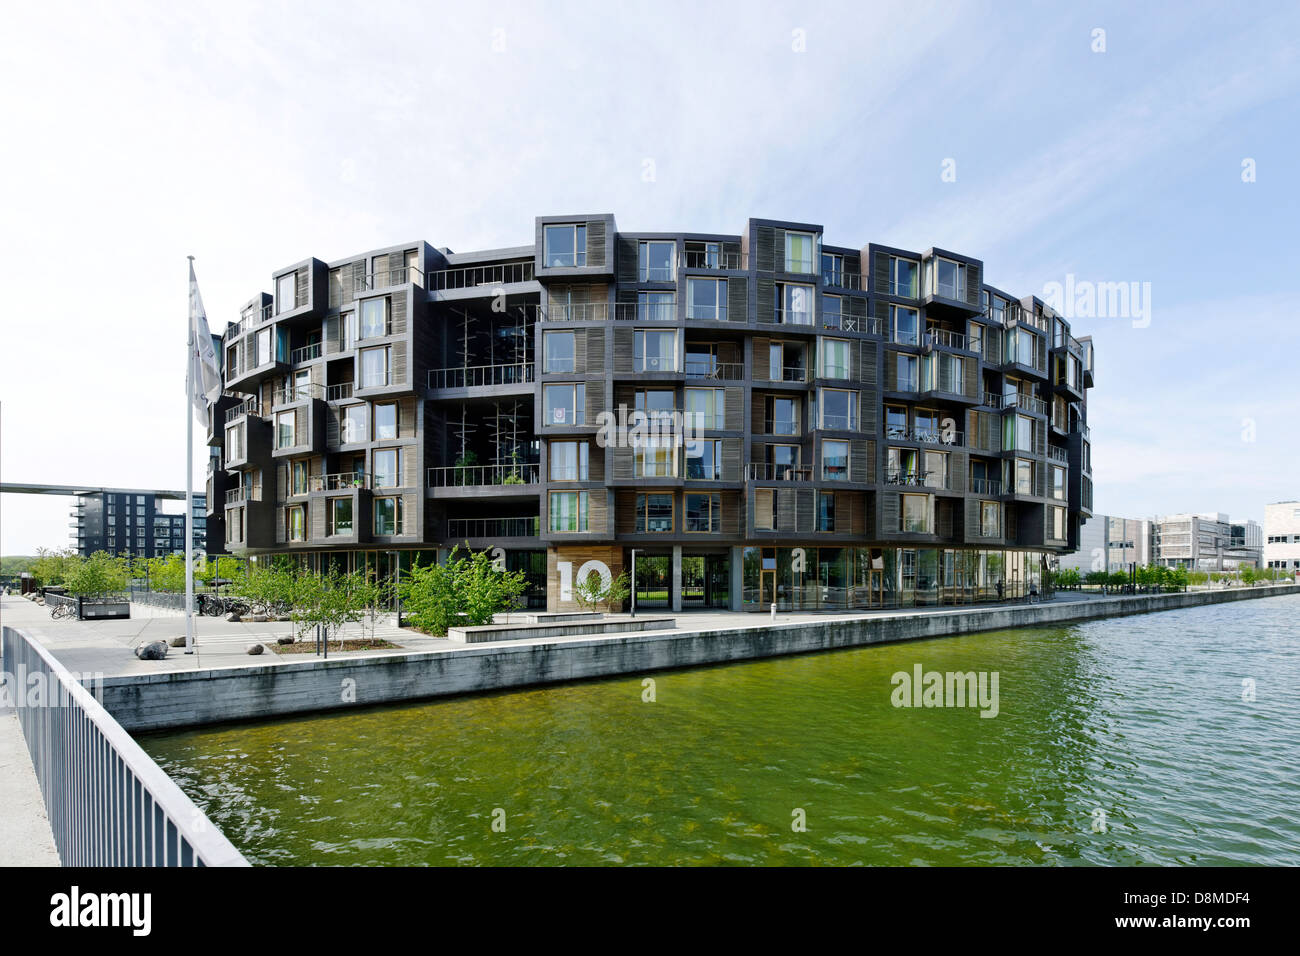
481, 376
942, 338
384, 279
1057, 454
726, 371
852, 323
780, 426
247, 493
337, 393
250, 320
790, 373
484, 476
339, 481
799, 317
715, 260
927, 436
914, 479
487, 278
577, 312
492, 528
249, 407
288, 394
991, 487
768, 471
305, 354
646, 311
840, 279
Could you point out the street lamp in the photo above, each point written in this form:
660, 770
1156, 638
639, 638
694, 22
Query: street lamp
634, 582
397, 585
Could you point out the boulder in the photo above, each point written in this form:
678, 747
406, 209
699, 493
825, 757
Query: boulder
254, 649
177, 641
153, 651
284, 640
233, 618
258, 619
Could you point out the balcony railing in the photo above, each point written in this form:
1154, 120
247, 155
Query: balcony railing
646, 311
336, 393
702, 259
391, 277
304, 354
908, 290
985, 486
910, 479
248, 407
780, 426
728, 371
790, 373
840, 279
339, 481
1057, 454
297, 393
459, 476
458, 528
577, 312
851, 323
766, 471
476, 376
249, 493
250, 320
948, 340
927, 436
473, 277
839, 422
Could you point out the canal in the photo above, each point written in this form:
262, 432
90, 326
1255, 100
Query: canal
1170, 738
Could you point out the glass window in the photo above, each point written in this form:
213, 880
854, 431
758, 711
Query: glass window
566, 246
782, 462
286, 292
374, 367
902, 277
284, 429
990, 519
263, 347
785, 362
835, 460
654, 457
782, 416
838, 408
703, 513
656, 307
704, 460
706, 299
296, 523
975, 333
568, 511
800, 252
832, 312
704, 408
568, 461
1058, 482
826, 511
298, 478
386, 421
795, 303
1058, 523
1024, 477
234, 445
906, 325
1024, 433
655, 351
386, 468
916, 513
936, 469
655, 405
354, 424
907, 373
655, 260
654, 513
950, 279
340, 516
832, 269
388, 516
374, 318
558, 348
564, 404
895, 421
834, 359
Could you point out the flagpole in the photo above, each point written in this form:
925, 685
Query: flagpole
189, 477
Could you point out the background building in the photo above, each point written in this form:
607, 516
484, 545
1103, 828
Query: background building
136, 522
1206, 542
1109, 543
847, 426
1282, 535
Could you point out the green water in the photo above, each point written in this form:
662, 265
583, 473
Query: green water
1142, 717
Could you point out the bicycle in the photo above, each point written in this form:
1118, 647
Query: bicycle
61, 610
210, 605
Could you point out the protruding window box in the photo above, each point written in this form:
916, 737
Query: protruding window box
298, 417
248, 440
340, 513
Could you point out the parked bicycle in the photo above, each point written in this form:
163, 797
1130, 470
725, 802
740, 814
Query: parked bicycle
211, 605
62, 609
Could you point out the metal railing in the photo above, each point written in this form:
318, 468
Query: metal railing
235, 495
704, 259
476, 376
948, 340
727, 371
297, 393
793, 316
576, 312
909, 291
839, 422
1057, 454
840, 279
305, 354
458, 528
250, 320
336, 393
107, 802
927, 436
917, 479
780, 426
338, 481
851, 323
249, 407
463, 476
766, 471
985, 486
383, 279
646, 311
472, 277
790, 373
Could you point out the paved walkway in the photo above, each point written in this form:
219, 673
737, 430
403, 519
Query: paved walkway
25, 837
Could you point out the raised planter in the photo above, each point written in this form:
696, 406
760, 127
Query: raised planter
584, 628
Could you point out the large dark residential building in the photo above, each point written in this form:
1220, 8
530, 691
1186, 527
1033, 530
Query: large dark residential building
765, 417
137, 522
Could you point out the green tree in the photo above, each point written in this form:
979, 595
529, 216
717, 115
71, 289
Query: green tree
97, 576
462, 591
51, 566
594, 593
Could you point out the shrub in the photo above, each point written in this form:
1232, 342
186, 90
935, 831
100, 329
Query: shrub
463, 591
593, 593
96, 576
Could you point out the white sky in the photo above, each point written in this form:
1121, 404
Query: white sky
253, 136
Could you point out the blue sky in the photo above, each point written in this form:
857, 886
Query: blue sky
254, 137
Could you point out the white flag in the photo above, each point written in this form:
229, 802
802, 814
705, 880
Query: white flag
205, 375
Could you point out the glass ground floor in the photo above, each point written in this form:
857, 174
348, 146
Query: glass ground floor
819, 578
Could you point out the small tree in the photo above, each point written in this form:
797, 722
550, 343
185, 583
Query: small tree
464, 590
594, 593
98, 575
50, 566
